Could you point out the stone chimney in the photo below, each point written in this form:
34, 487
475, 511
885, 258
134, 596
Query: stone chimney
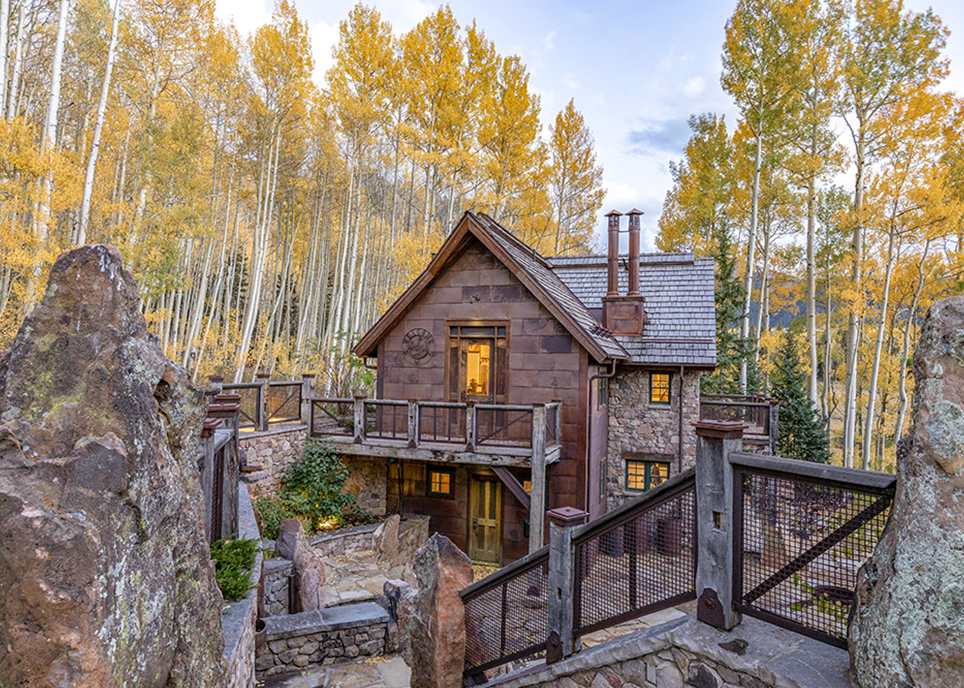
623, 314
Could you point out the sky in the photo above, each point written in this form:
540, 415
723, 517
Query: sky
636, 70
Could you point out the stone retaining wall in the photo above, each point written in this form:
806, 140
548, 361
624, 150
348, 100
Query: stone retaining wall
238, 620
368, 481
346, 540
273, 450
276, 572
327, 636
686, 652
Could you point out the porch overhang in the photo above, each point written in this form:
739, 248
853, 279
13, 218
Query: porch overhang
509, 457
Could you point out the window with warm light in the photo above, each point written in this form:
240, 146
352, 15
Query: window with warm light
477, 369
440, 482
659, 388
645, 475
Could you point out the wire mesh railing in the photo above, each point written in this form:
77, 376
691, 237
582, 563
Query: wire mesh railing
332, 416
250, 393
507, 614
283, 402
638, 559
801, 533
755, 414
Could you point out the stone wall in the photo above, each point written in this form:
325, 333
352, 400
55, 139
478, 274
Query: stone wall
412, 536
636, 426
276, 572
686, 652
239, 617
327, 636
367, 480
273, 450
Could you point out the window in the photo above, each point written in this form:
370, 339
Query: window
441, 482
477, 368
527, 486
645, 475
659, 388
603, 392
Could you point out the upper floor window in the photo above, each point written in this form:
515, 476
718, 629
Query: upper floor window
659, 388
477, 362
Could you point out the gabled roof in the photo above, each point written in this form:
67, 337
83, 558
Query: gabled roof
528, 267
680, 323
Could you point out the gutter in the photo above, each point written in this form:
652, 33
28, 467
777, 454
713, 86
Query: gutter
589, 410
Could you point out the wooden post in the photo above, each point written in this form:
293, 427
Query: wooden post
715, 441
538, 509
217, 383
412, 423
262, 379
307, 391
470, 426
562, 522
774, 426
558, 403
359, 418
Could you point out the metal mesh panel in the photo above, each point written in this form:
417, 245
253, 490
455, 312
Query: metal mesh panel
799, 545
508, 620
250, 417
755, 414
644, 564
283, 402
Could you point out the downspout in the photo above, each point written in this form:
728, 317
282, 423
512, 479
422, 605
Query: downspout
589, 411
679, 458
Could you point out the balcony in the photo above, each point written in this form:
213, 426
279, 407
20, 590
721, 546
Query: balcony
760, 414
470, 433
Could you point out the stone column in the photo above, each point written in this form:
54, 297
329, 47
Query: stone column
715, 441
908, 622
562, 522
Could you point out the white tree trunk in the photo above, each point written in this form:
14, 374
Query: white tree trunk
14, 87
4, 22
905, 349
812, 290
751, 248
853, 324
98, 127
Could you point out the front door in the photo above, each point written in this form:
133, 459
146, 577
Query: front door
485, 527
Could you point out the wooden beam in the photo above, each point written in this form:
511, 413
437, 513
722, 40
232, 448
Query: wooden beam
515, 487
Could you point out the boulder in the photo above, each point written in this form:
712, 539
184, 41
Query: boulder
386, 539
309, 565
435, 617
105, 574
908, 624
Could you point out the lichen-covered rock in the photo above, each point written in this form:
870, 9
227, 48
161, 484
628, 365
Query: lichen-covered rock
434, 618
908, 626
105, 575
309, 565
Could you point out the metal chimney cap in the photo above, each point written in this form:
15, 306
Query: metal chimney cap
612, 213
635, 212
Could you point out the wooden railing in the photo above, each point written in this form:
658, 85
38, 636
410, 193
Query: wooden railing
759, 413
467, 426
266, 402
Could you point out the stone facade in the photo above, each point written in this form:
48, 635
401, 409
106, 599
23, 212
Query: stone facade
328, 636
276, 572
636, 426
273, 450
368, 481
687, 653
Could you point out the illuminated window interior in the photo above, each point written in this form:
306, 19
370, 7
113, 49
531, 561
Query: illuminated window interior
440, 483
645, 475
477, 369
527, 486
659, 388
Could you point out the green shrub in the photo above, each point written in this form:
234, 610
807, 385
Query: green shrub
233, 561
312, 490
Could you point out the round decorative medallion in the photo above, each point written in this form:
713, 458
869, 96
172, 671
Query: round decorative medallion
418, 343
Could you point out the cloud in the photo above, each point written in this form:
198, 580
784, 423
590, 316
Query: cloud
570, 82
247, 15
658, 136
323, 38
694, 86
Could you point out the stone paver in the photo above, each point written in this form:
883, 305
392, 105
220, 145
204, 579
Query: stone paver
634, 625
377, 672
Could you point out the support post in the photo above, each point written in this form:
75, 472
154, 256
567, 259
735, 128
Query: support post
715, 569
307, 391
470, 426
774, 425
359, 419
537, 511
217, 383
412, 423
262, 379
562, 580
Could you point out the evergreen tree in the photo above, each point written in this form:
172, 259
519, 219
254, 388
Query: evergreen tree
802, 432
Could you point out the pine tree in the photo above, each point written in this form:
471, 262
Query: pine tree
802, 433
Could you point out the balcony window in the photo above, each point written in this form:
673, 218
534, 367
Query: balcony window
477, 368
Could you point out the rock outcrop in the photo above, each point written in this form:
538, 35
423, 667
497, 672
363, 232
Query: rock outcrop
309, 564
908, 626
434, 618
105, 575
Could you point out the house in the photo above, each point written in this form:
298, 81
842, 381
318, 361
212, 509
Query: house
509, 384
